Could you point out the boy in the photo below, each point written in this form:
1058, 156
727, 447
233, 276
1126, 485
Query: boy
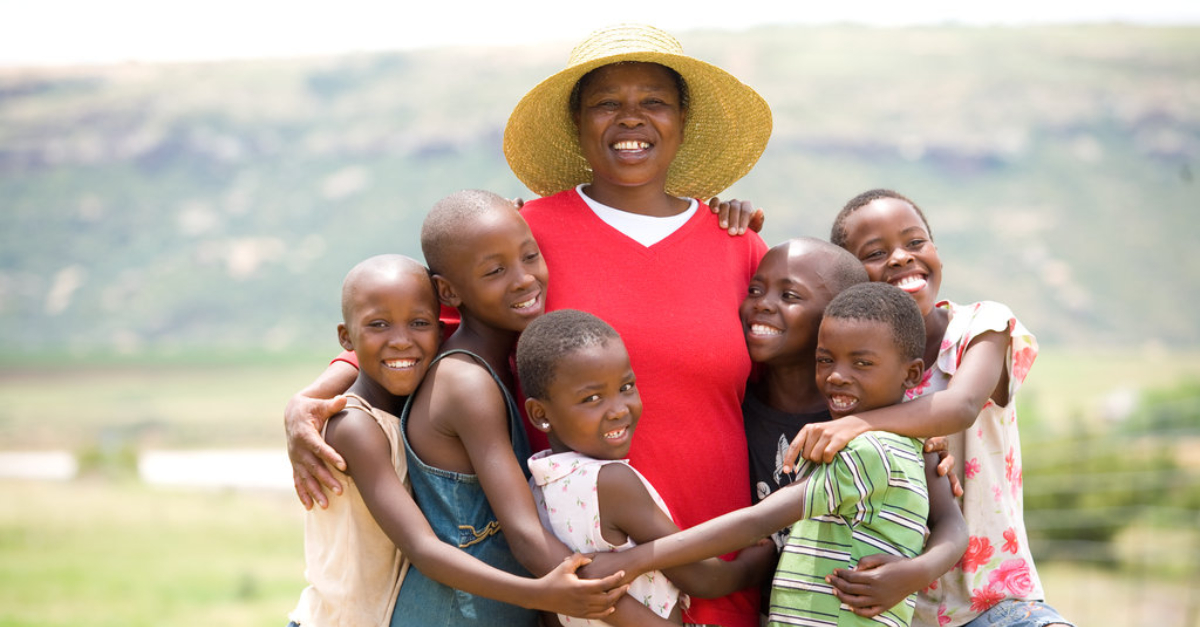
464, 435
354, 570
358, 549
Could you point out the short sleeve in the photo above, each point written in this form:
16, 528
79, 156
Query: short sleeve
844, 486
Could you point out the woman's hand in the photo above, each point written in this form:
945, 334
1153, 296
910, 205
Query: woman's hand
737, 215
303, 419
565, 593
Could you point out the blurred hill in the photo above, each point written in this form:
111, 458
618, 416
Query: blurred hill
149, 208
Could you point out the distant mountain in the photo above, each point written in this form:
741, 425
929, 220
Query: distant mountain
199, 206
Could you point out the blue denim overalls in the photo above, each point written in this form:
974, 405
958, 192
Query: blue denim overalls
458, 510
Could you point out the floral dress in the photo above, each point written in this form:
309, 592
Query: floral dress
997, 564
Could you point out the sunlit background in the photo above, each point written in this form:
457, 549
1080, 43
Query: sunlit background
183, 186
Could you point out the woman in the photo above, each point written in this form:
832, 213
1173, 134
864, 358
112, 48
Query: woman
621, 144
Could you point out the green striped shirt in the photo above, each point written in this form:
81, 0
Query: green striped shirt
871, 499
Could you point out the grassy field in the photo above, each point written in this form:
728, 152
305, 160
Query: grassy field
108, 550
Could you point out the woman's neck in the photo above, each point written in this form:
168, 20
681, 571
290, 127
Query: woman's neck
646, 200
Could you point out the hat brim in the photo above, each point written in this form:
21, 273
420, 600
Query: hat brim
728, 125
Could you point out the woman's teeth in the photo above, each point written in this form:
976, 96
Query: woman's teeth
630, 145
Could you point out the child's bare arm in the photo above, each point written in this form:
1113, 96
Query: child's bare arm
882, 581
468, 403
980, 376
303, 419
688, 557
368, 454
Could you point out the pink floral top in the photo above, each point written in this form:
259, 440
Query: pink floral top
997, 564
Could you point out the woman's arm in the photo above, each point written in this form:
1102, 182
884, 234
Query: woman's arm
368, 454
980, 376
882, 581
303, 419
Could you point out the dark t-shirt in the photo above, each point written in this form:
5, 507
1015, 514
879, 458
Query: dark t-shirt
768, 434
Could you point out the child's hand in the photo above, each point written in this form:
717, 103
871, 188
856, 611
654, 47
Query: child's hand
566, 593
878, 583
820, 441
945, 463
737, 215
603, 565
303, 419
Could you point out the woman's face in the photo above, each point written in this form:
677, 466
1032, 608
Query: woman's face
630, 123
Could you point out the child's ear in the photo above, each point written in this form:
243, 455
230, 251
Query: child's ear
446, 292
537, 414
344, 337
913, 373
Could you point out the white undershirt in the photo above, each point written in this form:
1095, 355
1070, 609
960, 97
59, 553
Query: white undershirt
643, 229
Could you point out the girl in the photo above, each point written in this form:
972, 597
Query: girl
977, 356
582, 394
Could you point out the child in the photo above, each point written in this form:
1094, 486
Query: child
582, 393
358, 550
462, 428
781, 314
978, 356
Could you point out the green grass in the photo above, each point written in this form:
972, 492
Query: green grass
122, 555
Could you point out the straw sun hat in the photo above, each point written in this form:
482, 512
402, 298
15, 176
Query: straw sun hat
728, 123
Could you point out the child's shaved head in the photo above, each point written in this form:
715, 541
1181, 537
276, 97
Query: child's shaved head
383, 269
447, 219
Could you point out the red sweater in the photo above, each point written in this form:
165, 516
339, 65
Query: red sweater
675, 305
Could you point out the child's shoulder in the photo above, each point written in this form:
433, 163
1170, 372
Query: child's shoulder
462, 382
974, 319
352, 424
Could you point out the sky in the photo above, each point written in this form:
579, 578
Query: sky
65, 32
